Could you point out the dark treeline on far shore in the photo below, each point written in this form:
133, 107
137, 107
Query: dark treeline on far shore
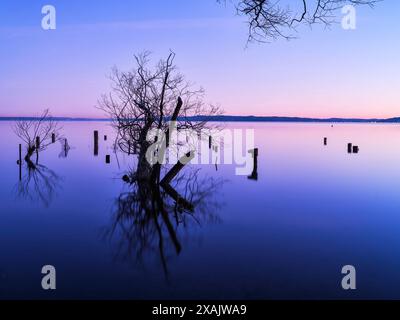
228, 118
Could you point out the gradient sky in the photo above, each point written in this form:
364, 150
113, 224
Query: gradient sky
324, 73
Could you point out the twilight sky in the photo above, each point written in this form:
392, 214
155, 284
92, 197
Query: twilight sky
324, 73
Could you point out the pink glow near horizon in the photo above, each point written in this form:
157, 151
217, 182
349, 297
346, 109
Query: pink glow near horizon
324, 74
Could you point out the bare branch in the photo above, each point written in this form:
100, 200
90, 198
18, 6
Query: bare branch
39, 129
145, 98
272, 19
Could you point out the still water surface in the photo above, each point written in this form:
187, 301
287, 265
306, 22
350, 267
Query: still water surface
314, 209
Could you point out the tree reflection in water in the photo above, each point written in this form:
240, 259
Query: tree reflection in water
148, 223
38, 184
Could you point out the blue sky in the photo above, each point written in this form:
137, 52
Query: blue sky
323, 73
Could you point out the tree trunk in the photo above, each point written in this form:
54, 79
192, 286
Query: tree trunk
31, 150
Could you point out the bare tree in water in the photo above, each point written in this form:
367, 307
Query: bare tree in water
37, 135
271, 19
145, 99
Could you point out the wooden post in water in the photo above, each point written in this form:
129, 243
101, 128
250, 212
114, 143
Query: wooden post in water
165, 182
209, 142
349, 148
325, 141
53, 137
254, 174
105, 138
20, 162
96, 143
355, 149
108, 158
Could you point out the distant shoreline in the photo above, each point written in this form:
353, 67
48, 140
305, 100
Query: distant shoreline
229, 118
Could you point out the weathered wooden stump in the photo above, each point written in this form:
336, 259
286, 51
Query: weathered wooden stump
165, 182
20, 162
254, 174
349, 148
96, 142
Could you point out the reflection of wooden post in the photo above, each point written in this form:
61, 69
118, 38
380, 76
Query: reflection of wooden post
108, 159
254, 174
325, 141
20, 162
215, 149
349, 148
53, 137
96, 143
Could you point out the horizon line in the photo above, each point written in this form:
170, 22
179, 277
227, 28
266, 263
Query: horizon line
226, 118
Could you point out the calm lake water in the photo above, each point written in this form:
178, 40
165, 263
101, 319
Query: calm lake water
313, 209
